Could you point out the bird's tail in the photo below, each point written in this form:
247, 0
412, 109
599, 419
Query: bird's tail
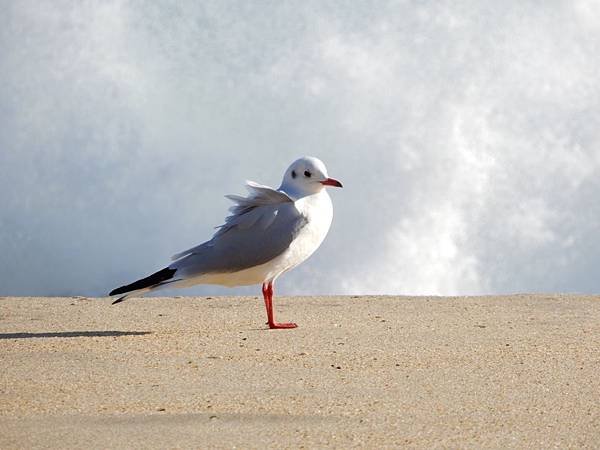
144, 285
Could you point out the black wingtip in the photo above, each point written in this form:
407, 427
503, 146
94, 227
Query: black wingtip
156, 278
119, 300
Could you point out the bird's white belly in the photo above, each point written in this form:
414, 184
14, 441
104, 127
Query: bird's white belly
319, 212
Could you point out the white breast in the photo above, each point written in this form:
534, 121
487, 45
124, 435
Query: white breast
318, 210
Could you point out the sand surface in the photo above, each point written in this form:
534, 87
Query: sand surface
375, 372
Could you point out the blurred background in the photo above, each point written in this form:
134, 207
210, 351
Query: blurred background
466, 133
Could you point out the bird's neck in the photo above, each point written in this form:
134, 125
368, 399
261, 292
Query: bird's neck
297, 194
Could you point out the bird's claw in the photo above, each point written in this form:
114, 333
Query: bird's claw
275, 326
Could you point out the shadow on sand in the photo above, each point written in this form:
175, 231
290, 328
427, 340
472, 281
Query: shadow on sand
72, 334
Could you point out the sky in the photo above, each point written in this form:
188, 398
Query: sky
466, 133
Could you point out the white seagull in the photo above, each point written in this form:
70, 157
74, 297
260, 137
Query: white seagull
268, 233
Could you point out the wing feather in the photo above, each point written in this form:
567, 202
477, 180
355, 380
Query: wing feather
259, 228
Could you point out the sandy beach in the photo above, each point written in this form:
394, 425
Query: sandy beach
376, 372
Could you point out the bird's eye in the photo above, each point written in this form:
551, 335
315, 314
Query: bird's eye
293, 174
307, 173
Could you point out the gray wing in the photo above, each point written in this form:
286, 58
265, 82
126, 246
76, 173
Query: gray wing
260, 227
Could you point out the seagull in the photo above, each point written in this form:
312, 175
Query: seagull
268, 233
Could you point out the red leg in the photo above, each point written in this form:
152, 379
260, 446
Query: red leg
267, 289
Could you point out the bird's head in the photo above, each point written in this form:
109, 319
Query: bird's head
306, 176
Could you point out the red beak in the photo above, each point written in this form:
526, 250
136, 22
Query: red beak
331, 182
